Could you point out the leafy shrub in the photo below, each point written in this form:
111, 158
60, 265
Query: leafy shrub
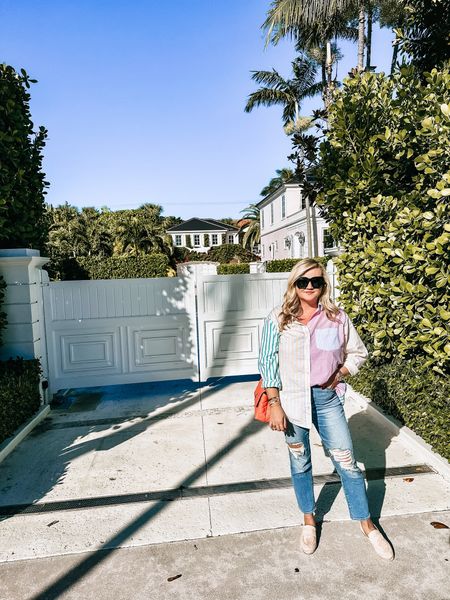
19, 393
230, 253
284, 265
111, 267
417, 399
386, 188
182, 254
22, 184
233, 269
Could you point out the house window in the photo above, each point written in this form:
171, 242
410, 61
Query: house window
271, 214
178, 240
214, 239
328, 241
196, 240
262, 218
283, 206
231, 239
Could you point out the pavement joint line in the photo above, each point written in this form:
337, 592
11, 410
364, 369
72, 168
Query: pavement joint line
182, 493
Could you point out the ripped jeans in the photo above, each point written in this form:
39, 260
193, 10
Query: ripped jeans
329, 419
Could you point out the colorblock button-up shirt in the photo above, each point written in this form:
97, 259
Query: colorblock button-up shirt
302, 356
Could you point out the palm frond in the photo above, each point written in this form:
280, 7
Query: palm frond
270, 78
286, 18
266, 97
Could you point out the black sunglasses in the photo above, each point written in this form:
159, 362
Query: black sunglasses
316, 282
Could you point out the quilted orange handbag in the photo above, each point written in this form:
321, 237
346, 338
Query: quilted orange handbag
262, 408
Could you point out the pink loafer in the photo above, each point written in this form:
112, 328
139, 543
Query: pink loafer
308, 540
381, 546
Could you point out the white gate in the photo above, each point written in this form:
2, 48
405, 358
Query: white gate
231, 310
120, 331
109, 332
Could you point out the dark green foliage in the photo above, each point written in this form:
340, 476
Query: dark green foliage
426, 34
385, 192
3, 321
22, 182
19, 393
181, 254
230, 253
284, 265
206, 240
418, 399
233, 269
111, 267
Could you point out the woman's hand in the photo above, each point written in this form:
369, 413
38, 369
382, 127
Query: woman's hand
277, 418
333, 381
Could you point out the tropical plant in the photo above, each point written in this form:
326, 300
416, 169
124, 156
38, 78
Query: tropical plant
288, 93
283, 176
22, 182
313, 24
252, 226
67, 233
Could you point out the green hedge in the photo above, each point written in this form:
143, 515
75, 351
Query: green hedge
110, 267
284, 265
230, 252
22, 182
419, 400
386, 189
233, 269
19, 393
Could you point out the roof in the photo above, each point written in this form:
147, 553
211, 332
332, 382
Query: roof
196, 224
281, 188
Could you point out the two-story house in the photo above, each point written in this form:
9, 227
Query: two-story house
284, 227
202, 234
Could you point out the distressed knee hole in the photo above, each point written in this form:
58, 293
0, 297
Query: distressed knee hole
297, 449
344, 458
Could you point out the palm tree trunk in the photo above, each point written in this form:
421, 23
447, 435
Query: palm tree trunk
328, 74
361, 27
308, 225
369, 37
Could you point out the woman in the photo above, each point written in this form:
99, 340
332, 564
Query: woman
308, 346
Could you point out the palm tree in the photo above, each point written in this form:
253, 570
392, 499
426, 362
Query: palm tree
286, 92
283, 175
252, 235
313, 23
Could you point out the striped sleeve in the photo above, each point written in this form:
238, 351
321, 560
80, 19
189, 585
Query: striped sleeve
268, 355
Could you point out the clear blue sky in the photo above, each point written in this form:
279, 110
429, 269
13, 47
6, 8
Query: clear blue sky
144, 100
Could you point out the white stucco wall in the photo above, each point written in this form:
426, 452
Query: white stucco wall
276, 227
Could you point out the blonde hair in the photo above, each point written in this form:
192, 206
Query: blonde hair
292, 307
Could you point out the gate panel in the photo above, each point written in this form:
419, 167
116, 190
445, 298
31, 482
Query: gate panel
108, 332
231, 311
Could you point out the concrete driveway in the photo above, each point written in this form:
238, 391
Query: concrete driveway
124, 487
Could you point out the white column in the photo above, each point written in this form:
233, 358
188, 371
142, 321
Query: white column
25, 333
